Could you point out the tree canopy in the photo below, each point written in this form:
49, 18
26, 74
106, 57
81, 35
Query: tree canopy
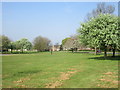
101, 31
41, 43
72, 42
23, 44
4, 42
64, 40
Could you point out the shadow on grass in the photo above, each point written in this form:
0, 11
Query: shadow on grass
81, 52
116, 58
22, 73
77, 52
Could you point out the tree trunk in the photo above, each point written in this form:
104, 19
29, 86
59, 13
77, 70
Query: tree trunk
114, 52
72, 50
11, 50
22, 50
95, 51
105, 51
51, 52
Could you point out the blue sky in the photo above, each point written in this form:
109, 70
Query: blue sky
54, 20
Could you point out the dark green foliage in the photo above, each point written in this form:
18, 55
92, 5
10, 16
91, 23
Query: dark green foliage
4, 43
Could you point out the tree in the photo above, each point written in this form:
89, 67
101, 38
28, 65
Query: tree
101, 31
72, 43
102, 8
61, 47
12, 46
26, 44
23, 44
41, 43
64, 40
4, 43
68, 44
118, 46
17, 45
76, 43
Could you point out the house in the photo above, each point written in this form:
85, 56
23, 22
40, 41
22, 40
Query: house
55, 47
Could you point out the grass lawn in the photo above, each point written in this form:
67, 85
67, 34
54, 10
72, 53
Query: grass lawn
60, 70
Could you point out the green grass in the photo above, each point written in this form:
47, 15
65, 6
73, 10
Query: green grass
60, 70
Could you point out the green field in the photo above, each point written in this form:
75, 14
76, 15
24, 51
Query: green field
60, 70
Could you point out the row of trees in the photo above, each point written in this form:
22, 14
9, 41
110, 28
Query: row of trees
40, 44
100, 30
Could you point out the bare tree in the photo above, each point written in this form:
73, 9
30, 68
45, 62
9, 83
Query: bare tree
101, 8
41, 43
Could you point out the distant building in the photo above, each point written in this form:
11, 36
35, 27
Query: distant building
55, 47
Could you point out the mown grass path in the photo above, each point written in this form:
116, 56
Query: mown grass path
60, 70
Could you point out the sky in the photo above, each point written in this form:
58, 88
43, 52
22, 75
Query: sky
54, 20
